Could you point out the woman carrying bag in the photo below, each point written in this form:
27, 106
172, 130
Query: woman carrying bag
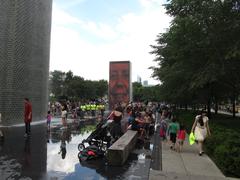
201, 130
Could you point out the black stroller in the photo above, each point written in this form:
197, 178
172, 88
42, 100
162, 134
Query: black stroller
98, 141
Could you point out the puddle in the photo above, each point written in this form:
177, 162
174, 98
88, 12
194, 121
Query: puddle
54, 155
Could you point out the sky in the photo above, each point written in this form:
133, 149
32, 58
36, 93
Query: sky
87, 34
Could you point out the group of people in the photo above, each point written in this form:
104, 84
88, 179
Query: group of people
169, 127
64, 114
140, 119
74, 109
78, 109
175, 132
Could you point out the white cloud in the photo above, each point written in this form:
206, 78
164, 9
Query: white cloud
130, 40
101, 30
70, 3
150, 4
62, 18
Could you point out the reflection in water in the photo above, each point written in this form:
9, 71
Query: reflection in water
38, 156
67, 166
9, 168
1, 144
141, 156
48, 135
151, 147
23, 158
63, 150
65, 136
27, 152
135, 168
67, 141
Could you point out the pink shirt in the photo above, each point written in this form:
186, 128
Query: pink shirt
181, 134
49, 117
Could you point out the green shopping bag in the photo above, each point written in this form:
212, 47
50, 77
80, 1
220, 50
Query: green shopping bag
191, 138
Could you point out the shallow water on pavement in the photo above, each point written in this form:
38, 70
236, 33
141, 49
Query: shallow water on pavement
54, 155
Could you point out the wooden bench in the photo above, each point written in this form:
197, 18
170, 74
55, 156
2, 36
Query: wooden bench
118, 153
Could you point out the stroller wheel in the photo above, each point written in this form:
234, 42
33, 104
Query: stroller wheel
104, 147
91, 143
81, 146
79, 155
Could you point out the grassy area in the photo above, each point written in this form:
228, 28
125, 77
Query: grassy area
223, 146
225, 121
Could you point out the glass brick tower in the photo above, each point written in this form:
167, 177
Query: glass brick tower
25, 27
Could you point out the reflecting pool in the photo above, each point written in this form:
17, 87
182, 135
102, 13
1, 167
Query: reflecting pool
53, 155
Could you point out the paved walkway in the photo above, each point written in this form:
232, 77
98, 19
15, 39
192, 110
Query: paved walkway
187, 165
225, 112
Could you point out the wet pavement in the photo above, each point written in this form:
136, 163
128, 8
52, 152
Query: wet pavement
54, 155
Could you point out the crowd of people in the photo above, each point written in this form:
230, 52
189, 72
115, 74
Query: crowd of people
141, 117
74, 110
174, 132
135, 116
77, 109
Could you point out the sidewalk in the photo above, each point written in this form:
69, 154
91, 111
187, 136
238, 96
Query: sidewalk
187, 165
225, 112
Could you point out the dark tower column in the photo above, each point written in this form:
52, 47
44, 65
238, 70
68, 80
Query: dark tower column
25, 27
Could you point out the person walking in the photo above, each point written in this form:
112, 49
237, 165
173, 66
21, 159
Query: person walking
163, 125
201, 130
172, 132
27, 116
163, 129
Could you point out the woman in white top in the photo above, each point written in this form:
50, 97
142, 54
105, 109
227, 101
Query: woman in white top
201, 130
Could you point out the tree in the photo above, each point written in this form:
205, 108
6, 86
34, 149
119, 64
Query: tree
57, 79
141, 93
197, 56
66, 86
101, 87
76, 89
137, 91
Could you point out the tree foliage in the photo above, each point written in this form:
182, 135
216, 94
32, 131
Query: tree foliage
199, 55
142, 93
68, 86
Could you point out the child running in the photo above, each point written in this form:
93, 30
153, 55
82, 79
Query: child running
181, 137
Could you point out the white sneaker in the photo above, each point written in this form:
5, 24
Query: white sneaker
25, 135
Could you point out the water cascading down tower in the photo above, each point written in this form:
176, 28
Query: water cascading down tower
25, 27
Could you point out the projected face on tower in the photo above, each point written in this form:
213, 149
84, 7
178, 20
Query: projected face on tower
119, 82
